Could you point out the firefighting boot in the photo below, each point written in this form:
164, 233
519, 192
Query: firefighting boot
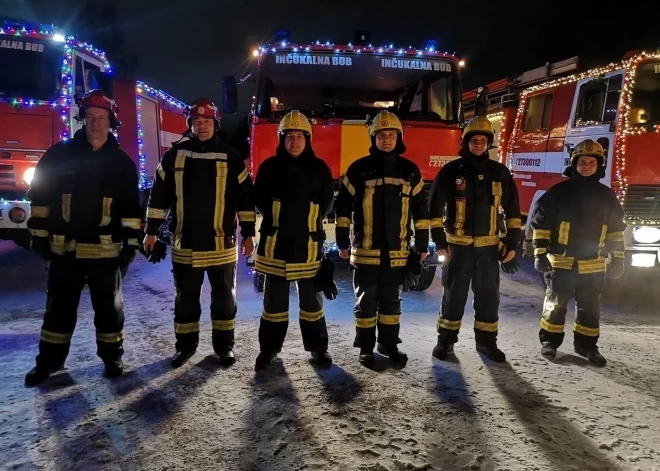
367, 357
491, 351
592, 354
181, 358
322, 358
38, 374
263, 360
549, 351
395, 355
442, 350
114, 368
227, 357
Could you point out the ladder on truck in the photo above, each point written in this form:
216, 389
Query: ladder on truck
505, 92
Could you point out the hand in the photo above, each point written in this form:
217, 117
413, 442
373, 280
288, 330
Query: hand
343, 253
542, 264
614, 270
508, 255
149, 242
247, 246
422, 256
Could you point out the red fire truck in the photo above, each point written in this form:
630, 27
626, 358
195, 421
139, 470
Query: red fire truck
44, 74
340, 87
545, 112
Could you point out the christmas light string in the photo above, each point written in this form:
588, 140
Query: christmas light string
624, 126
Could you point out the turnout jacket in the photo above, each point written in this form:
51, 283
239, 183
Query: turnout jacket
204, 185
85, 202
577, 223
383, 193
293, 195
464, 202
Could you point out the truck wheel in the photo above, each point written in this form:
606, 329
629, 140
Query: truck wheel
259, 279
426, 278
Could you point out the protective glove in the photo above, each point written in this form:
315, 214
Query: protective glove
542, 264
614, 270
158, 254
510, 267
41, 246
413, 270
324, 279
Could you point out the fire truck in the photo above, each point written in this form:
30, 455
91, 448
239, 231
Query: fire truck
44, 74
340, 88
545, 112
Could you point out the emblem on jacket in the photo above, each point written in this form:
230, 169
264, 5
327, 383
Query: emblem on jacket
460, 184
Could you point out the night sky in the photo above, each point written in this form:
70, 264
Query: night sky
186, 47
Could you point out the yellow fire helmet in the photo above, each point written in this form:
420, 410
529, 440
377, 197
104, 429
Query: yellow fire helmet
295, 121
385, 120
590, 148
479, 125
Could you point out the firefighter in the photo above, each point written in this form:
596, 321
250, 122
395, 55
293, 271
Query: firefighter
85, 220
464, 202
204, 185
379, 194
577, 223
294, 193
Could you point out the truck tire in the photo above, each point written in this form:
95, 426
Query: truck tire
258, 279
426, 278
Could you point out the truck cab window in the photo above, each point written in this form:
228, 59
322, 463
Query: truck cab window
442, 98
538, 111
646, 94
86, 77
598, 101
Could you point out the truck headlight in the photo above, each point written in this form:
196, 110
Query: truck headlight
28, 175
646, 235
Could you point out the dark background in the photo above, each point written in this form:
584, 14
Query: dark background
186, 47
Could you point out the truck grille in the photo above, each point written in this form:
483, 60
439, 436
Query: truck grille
6, 172
642, 202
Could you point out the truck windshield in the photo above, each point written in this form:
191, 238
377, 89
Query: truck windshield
645, 106
31, 68
353, 86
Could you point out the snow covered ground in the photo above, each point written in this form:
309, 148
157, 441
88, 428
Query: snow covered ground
527, 414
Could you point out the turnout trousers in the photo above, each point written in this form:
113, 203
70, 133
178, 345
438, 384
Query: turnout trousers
274, 321
66, 279
377, 304
479, 267
188, 282
562, 286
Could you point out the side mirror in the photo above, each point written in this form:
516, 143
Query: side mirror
229, 95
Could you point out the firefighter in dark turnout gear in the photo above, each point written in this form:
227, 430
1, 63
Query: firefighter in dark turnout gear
85, 219
577, 223
472, 188
205, 185
293, 193
379, 194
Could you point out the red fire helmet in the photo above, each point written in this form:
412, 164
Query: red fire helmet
99, 99
203, 108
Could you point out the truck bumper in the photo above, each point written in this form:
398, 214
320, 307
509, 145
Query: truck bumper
14, 215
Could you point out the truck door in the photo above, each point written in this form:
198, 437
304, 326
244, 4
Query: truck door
531, 141
595, 114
